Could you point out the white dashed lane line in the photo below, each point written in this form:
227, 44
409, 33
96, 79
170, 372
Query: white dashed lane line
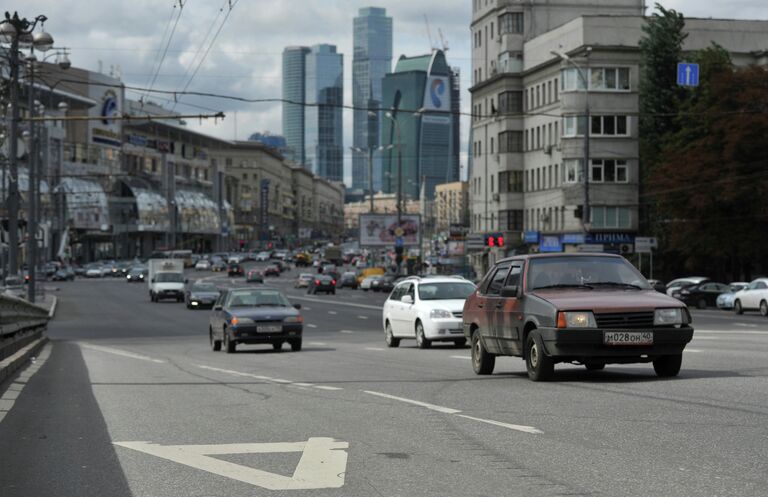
362, 317
267, 379
461, 357
333, 313
310, 325
121, 353
378, 349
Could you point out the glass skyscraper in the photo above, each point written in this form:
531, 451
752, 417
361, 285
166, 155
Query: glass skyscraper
324, 95
372, 59
294, 91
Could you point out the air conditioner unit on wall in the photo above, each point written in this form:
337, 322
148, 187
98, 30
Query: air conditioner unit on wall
626, 248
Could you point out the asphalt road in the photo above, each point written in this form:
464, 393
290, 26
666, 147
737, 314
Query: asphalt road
129, 400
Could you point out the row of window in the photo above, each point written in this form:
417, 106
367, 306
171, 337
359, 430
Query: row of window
542, 94
600, 125
553, 218
599, 79
509, 23
601, 171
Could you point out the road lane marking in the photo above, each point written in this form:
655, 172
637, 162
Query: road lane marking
324, 387
333, 302
694, 350
304, 384
268, 379
362, 317
378, 349
433, 407
745, 325
307, 308
311, 325
323, 461
461, 357
118, 352
523, 428
332, 313
348, 332
730, 332
319, 344
9, 397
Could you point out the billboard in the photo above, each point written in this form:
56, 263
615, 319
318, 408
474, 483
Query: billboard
108, 93
381, 230
437, 94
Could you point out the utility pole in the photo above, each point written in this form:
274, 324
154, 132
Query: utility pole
13, 175
31, 182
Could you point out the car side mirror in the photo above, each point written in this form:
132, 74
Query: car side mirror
217, 308
407, 299
297, 306
509, 291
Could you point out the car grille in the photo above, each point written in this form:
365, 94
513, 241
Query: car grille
458, 314
625, 320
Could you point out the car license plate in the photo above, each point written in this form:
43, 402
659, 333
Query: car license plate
628, 337
269, 328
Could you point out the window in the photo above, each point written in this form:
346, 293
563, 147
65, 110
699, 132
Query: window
610, 217
510, 182
549, 92
514, 276
491, 184
491, 145
538, 178
511, 22
491, 30
600, 78
573, 171
609, 171
538, 95
557, 97
549, 134
574, 125
549, 177
526, 140
538, 137
511, 220
571, 79
609, 125
496, 281
510, 141
511, 102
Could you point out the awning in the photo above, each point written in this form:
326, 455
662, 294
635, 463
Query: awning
150, 205
197, 212
86, 203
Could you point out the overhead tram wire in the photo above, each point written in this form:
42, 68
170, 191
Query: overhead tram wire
162, 40
210, 45
182, 3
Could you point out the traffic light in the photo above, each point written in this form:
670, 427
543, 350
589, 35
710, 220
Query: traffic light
494, 240
398, 255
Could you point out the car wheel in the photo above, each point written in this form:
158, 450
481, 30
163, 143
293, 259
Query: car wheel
483, 362
461, 342
540, 366
701, 304
668, 366
594, 366
189, 306
215, 344
277, 345
296, 345
389, 336
333, 292
421, 340
229, 345
737, 307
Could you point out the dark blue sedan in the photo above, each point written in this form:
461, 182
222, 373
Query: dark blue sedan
254, 316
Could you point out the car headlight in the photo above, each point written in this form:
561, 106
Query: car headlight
440, 314
579, 319
293, 319
667, 317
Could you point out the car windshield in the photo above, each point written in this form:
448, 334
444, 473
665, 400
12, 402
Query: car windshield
204, 288
257, 298
446, 291
169, 278
584, 272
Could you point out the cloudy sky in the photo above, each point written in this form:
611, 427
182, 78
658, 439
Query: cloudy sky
245, 59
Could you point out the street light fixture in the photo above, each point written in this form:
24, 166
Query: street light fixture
583, 72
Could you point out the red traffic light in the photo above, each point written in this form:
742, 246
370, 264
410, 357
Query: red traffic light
494, 240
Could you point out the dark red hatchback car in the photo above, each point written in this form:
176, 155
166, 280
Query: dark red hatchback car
590, 309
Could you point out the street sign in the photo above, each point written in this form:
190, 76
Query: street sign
475, 241
687, 74
399, 242
323, 462
644, 245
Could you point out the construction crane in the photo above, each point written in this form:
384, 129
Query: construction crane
432, 44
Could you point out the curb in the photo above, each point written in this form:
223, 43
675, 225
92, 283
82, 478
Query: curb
52, 311
9, 365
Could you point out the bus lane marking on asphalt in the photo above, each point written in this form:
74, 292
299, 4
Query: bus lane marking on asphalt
323, 461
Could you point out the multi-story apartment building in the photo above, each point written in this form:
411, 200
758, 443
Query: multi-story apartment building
529, 108
451, 205
371, 60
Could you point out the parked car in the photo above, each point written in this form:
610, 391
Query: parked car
592, 309
702, 295
752, 298
681, 282
203, 265
725, 300
349, 280
272, 270
426, 309
254, 316
254, 276
322, 283
200, 295
234, 269
304, 280
137, 274
658, 285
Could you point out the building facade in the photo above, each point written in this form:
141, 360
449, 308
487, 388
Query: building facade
529, 117
383, 203
323, 127
451, 205
418, 131
371, 61
293, 101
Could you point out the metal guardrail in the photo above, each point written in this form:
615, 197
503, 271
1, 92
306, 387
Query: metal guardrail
18, 315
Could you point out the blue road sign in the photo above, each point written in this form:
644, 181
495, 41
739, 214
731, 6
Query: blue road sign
687, 74
399, 241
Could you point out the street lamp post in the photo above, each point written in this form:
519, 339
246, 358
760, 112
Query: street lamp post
15, 30
585, 215
370, 151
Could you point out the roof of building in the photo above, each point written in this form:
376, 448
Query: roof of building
418, 63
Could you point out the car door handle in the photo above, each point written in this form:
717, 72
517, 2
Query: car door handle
499, 305
479, 306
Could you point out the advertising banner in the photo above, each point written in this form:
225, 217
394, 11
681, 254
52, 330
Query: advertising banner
437, 94
382, 230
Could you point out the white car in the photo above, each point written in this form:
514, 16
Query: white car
366, 283
94, 272
681, 282
236, 258
752, 298
203, 265
262, 257
427, 309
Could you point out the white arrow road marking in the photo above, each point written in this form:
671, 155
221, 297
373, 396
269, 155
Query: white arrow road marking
323, 461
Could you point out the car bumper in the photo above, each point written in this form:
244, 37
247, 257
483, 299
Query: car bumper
443, 329
330, 288
250, 334
169, 294
577, 343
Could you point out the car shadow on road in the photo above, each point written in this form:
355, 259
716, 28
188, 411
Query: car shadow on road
634, 375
